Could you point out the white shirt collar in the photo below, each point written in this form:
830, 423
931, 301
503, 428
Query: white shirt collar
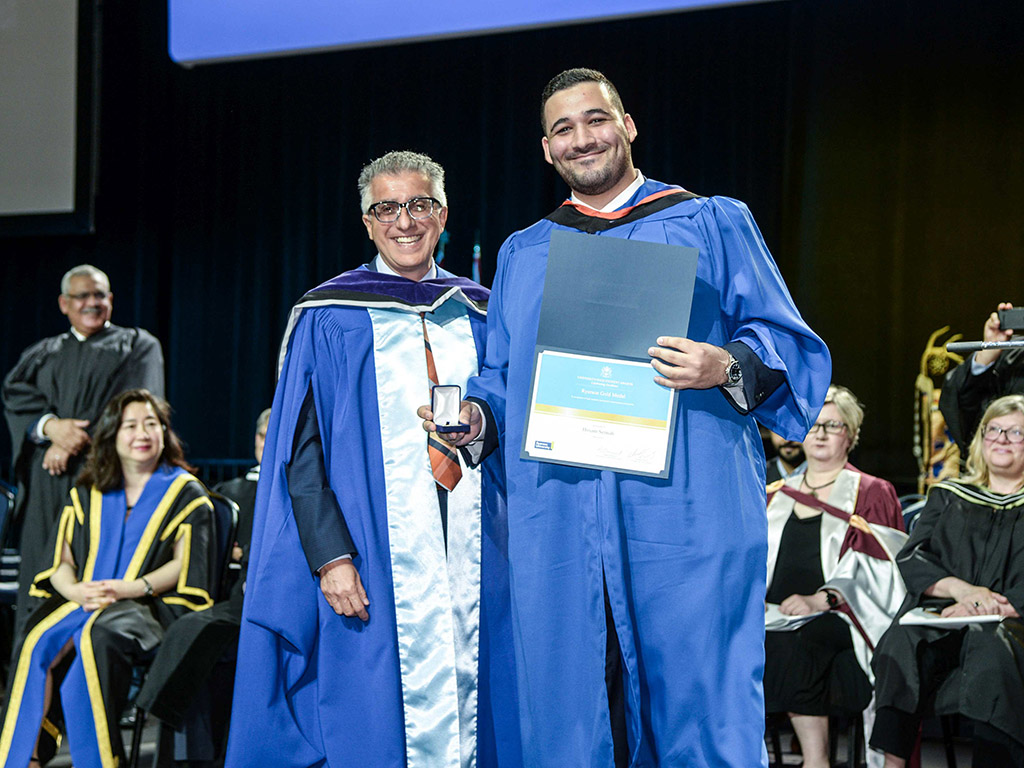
80, 337
382, 266
621, 199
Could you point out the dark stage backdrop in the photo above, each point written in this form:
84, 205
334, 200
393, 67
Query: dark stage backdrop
878, 143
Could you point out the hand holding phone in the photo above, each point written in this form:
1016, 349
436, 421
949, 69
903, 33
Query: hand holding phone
1011, 319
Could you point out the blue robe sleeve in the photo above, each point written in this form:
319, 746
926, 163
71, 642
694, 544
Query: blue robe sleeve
758, 381
759, 312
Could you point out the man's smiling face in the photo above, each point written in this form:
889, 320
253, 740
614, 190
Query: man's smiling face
406, 244
588, 139
87, 304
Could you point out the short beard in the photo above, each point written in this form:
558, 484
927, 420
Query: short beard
594, 183
792, 454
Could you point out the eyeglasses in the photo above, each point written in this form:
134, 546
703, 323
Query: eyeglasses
1013, 434
86, 295
387, 211
830, 427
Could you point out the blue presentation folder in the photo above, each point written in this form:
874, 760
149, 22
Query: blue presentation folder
604, 295
611, 298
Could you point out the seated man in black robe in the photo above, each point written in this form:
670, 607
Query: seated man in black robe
986, 375
242, 491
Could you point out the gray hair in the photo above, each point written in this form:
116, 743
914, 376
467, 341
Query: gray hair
83, 270
394, 163
262, 421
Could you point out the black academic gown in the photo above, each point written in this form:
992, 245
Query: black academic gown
70, 379
976, 536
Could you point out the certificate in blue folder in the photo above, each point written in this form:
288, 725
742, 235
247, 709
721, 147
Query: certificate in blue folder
593, 401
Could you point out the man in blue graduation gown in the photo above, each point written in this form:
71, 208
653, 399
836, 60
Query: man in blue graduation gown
663, 577
375, 627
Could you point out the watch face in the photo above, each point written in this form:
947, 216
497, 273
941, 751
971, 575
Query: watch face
734, 372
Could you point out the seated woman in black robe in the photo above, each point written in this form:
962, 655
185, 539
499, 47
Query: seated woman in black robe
964, 559
833, 533
131, 553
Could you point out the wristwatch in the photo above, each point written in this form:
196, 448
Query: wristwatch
733, 372
149, 587
831, 599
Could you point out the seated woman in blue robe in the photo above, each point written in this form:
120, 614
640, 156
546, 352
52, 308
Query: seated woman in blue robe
131, 553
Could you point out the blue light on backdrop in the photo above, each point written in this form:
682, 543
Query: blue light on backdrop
203, 31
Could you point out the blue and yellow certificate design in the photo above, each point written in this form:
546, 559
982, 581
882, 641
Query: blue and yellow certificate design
599, 412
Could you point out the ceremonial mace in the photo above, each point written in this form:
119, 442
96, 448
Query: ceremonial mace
967, 347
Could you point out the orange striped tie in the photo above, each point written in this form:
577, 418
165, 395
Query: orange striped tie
444, 460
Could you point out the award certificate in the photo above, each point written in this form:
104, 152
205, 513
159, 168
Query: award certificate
593, 400
599, 412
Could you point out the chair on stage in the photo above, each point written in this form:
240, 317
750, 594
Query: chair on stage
10, 560
10, 564
852, 726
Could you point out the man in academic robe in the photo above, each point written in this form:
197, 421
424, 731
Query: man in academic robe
375, 625
986, 375
649, 585
54, 395
242, 489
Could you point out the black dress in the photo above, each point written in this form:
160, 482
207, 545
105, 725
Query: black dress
811, 670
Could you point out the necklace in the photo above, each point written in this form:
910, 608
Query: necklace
815, 488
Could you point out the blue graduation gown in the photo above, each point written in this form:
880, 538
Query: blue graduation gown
106, 544
314, 688
683, 557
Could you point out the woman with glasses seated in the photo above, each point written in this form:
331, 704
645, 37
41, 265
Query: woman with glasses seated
965, 559
832, 534
131, 553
